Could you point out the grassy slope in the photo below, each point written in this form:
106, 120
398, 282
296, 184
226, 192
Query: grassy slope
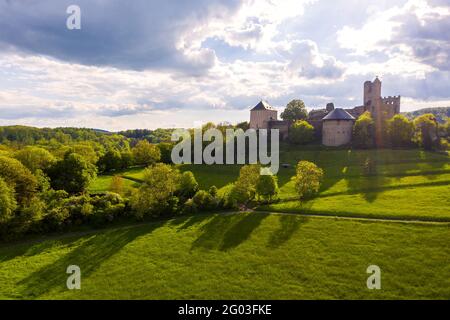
240, 256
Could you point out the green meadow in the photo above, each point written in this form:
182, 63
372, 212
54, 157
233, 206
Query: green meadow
236, 256
397, 216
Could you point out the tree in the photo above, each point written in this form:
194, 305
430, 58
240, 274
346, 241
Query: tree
267, 186
155, 196
165, 150
111, 160
19, 177
307, 179
188, 185
426, 131
301, 132
72, 174
127, 159
295, 110
7, 201
146, 153
244, 189
400, 130
364, 131
35, 158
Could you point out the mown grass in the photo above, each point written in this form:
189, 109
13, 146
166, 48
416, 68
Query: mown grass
236, 256
430, 203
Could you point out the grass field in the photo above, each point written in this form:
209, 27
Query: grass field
236, 256
265, 255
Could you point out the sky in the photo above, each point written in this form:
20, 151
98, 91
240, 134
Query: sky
175, 63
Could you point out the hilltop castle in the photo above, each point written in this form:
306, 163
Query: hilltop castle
333, 125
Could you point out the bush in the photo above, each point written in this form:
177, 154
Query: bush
307, 179
301, 132
204, 201
189, 207
188, 186
267, 186
244, 189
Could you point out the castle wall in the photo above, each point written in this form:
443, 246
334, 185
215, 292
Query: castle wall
259, 118
337, 132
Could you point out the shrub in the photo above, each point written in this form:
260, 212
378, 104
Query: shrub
203, 200
244, 189
267, 186
301, 132
307, 179
189, 207
188, 186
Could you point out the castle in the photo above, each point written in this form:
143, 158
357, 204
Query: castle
334, 126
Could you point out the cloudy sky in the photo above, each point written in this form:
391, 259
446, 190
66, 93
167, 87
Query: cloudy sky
175, 63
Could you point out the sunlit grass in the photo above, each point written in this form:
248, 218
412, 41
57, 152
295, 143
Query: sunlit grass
236, 256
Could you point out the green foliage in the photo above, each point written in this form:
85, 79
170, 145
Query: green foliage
72, 174
295, 110
401, 131
307, 179
301, 132
165, 150
426, 131
203, 200
244, 189
127, 159
267, 186
188, 186
8, 202
16, 175
155, 195
364, 131
213, 191
110, 161
35, 158
145, 153
440, 113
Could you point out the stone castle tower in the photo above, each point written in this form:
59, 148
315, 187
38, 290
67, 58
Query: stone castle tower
377, 105
381, 108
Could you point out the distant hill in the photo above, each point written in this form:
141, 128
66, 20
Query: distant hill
440, 113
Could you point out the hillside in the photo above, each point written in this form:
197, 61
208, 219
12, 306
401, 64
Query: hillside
440, 113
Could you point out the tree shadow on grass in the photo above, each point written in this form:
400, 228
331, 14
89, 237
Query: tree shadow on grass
289, 224
225, 232
89, 253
